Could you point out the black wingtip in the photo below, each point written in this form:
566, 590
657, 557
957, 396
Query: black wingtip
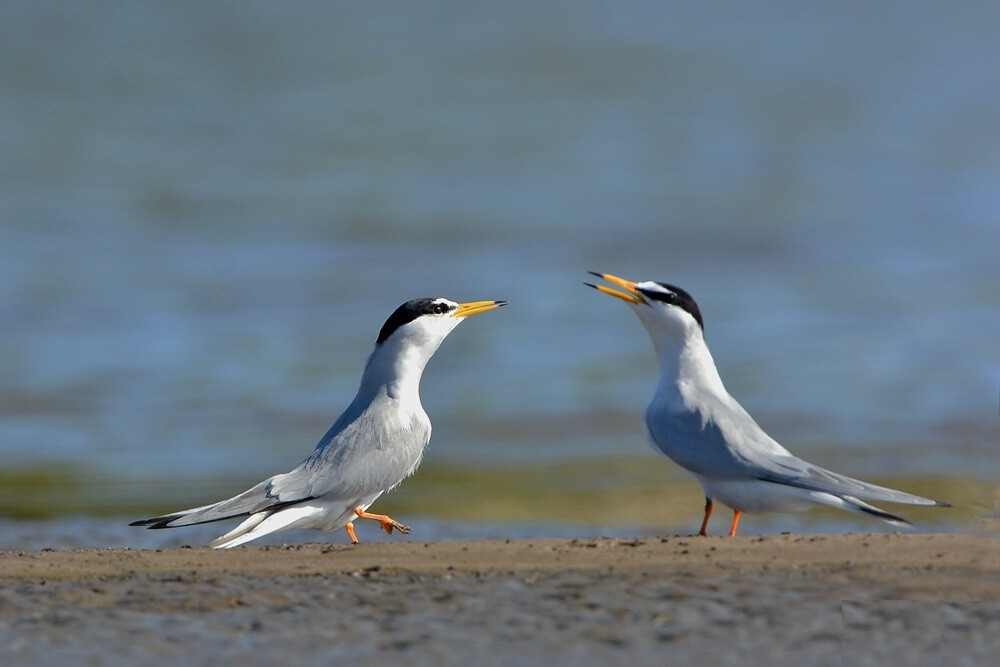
882, 514
941, 503
154, 523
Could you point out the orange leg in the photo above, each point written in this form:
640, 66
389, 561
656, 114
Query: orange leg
736, 522
350, 533
387, 523
708, 513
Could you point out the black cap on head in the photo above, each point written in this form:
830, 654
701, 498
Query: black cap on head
675, 296
410, 311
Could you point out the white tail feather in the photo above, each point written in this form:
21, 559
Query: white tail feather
263, 523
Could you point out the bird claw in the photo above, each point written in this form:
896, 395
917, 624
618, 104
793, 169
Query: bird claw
389, 524
386, 522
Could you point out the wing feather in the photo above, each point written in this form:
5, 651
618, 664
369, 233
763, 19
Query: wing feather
362, 454
732, 446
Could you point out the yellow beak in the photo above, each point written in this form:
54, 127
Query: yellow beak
631, 294
471, 308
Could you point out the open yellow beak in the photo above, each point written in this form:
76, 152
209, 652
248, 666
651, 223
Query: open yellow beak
471, 308
631, 294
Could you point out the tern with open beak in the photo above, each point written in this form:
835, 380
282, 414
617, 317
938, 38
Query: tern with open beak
694, 421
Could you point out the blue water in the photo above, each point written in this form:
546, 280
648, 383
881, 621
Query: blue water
207, 210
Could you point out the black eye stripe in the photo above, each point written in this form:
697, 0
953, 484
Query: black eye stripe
410, 311
676, 297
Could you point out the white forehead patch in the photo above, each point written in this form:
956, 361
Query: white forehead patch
650, 286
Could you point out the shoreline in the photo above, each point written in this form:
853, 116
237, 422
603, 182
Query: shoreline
808, 599
893, 560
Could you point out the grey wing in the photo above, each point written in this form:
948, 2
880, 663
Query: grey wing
793, 471
251, 501
732, 446
367, 455
359, 456
694, 443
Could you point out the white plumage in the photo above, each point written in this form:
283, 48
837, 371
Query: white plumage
375, 444
693, 420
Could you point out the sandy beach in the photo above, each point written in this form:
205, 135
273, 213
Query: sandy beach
811, 599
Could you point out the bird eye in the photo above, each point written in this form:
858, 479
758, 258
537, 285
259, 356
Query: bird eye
440, 308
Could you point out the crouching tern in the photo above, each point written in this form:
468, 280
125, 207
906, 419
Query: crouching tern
694, 421
375, 444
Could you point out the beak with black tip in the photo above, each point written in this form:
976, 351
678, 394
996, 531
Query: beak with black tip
470, 308
628, 291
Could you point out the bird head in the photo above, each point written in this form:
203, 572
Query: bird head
661, 307
426, 322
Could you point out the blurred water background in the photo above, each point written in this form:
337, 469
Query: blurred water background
207, 210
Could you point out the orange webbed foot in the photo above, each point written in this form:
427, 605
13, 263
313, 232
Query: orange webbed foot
387, 523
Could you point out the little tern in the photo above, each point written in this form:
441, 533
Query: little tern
694, 421
376, 443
